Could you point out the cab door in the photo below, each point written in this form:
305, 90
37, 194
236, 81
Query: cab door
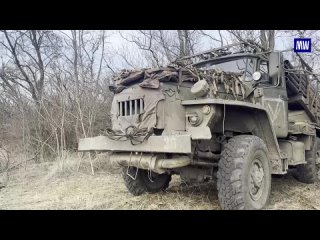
273, 94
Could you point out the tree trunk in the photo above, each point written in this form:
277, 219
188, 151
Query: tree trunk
187, 43
271, 40
181, 43
263, 39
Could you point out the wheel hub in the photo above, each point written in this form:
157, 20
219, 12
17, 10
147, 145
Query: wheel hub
256, 179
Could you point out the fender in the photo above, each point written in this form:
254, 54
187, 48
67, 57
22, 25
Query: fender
245, 117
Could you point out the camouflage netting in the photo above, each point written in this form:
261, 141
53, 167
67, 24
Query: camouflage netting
151, 78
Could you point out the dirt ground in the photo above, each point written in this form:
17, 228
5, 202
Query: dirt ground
46, 186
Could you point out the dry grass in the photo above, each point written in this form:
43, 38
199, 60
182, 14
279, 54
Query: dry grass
47, 186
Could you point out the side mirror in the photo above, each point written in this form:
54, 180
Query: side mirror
256, 76
274, 67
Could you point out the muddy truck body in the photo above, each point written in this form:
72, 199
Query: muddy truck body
236, 117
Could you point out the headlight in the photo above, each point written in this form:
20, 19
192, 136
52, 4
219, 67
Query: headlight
206, 109
195, 119
256, 76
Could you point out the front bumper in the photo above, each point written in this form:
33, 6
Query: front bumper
156, 144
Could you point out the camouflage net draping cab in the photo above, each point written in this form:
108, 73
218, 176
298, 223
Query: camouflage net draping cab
151, 78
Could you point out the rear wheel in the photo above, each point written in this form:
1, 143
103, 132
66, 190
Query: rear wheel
139, 181
309, 172
244, 175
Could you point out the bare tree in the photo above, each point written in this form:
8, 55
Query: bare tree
57, 80
28, 54
160, 47
85, 57
210, 34
265, 39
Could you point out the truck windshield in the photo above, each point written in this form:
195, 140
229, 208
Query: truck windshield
241, 65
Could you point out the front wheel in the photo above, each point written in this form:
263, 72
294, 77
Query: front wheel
139, 181
244, 174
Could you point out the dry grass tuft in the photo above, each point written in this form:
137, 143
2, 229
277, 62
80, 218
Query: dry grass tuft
48, 185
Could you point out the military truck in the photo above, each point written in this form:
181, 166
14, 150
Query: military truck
234, 115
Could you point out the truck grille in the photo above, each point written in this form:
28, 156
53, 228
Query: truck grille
131, 107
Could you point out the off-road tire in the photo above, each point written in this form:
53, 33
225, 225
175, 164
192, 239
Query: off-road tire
233, 176
308, 173
142, 183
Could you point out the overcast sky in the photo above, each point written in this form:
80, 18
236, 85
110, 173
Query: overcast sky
116, 44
